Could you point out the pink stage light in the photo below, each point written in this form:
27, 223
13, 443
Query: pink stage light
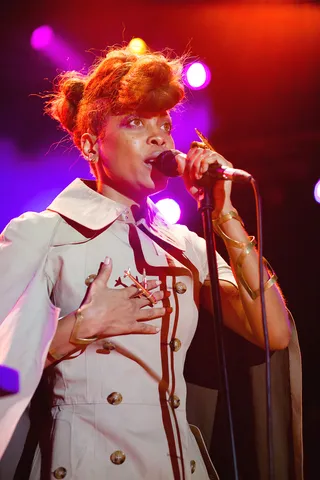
317, 191
41, 37
197, 75
169, 209
54, 47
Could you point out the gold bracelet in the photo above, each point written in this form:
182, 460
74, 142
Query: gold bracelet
74, 334
255, 293
55, 355
246, 248
223, 219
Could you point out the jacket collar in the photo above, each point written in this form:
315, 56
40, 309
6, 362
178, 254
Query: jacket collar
81, 203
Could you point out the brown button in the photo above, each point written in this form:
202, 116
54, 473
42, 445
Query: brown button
108, 346
180, 287
117, 457
193, 466
90, 279
114, 398
174, 401
60, 472
175, 344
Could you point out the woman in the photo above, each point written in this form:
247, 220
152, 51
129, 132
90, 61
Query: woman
125, 285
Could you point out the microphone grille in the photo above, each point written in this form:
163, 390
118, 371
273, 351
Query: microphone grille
166, 163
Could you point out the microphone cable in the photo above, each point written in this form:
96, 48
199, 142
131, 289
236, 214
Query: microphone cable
265, 330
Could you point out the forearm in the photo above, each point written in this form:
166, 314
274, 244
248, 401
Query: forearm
277, 317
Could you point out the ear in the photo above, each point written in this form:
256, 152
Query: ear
89, 147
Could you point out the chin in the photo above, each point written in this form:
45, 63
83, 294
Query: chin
158, 186
159, 180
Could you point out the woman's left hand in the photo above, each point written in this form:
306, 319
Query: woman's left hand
195, 165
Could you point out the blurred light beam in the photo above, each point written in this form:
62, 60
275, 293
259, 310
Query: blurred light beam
62, 55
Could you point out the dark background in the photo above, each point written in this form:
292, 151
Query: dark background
263, 102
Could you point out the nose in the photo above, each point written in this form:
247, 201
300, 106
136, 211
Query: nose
156, 139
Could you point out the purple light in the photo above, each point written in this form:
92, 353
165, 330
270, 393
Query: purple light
169, 209
197, 75
317, 191
41, 37
60, 52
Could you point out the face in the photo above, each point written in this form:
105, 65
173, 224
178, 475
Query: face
127, 146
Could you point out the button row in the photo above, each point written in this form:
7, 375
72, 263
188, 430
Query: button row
115, 398
179, 287
117, 458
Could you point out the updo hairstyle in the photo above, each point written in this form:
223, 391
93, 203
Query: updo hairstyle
119, 83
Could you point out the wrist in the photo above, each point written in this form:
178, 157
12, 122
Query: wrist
82, 332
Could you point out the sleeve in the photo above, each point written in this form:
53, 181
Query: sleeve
28, 319
224, 270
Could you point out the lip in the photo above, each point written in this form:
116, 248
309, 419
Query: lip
148, 160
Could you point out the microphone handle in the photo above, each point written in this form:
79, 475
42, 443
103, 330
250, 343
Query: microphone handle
220, 172
166, 163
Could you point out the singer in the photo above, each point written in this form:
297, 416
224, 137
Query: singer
101, 295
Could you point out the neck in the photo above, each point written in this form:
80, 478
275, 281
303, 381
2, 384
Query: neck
113, 194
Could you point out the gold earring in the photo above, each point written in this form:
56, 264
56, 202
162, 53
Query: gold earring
92, 157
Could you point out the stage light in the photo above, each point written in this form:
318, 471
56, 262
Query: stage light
60, 52
169, 209
317, 191
197, 75
138, 46
41, 37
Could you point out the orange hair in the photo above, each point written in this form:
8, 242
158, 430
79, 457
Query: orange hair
120, 82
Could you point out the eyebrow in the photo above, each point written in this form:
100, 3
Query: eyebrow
165, 116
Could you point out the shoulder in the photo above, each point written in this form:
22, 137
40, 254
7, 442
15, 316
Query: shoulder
31, 227
183, 233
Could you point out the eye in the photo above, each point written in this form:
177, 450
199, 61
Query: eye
167, 127
134, 122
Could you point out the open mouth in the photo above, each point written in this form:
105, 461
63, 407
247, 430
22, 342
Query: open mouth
149, 162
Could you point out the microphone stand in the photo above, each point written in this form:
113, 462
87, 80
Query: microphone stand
206, 208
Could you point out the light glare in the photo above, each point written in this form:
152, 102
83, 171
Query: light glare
138, 46
197, 75
41, 37
169, 209
317, 191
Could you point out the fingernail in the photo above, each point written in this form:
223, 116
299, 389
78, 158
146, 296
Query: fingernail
158, 282
169, 309
107, 261
166, 294
157, 329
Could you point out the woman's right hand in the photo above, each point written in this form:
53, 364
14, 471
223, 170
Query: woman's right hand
109, 312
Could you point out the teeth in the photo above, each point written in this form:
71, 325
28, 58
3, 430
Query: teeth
149, 160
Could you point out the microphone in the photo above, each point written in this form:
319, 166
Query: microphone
166, 163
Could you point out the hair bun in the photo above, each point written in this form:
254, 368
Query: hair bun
73, 90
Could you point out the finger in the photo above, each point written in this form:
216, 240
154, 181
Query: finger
130, 292
206, 162
181, 164
194, 168
143, 301
152, 313
104, 272
133, 291
204, 165
145, 329
153, 284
